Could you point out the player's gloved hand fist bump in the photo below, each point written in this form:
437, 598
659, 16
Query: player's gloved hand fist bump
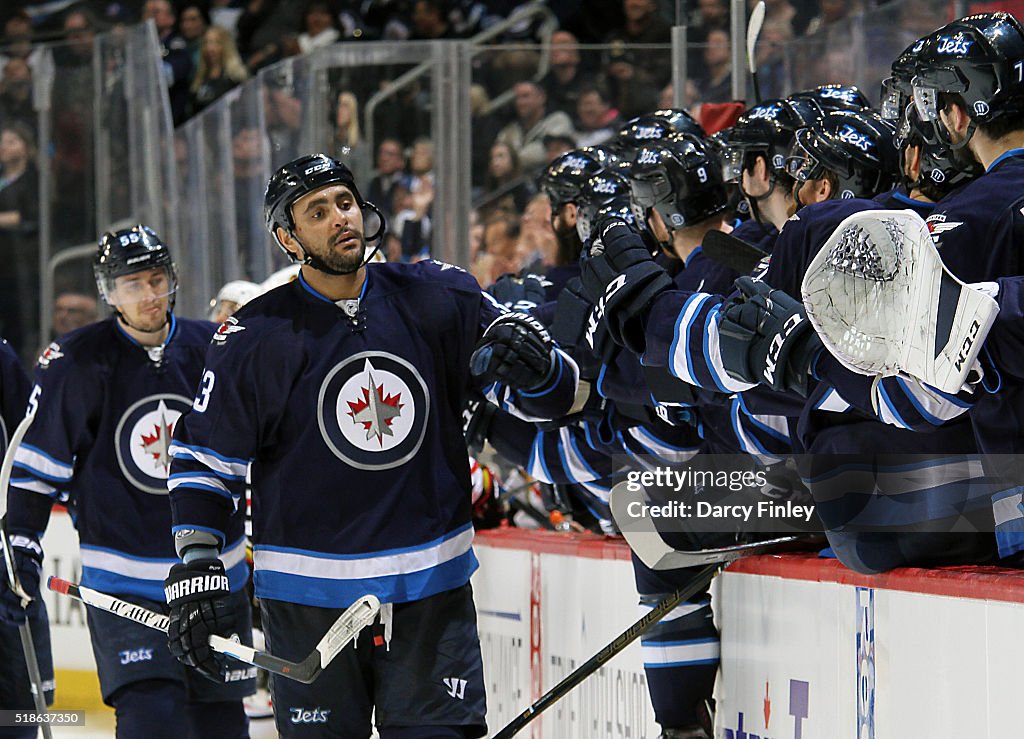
198, 596
622, 279
28, 566
518, 293
515, 350
765, 337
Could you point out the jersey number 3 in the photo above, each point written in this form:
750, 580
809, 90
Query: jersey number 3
205, 388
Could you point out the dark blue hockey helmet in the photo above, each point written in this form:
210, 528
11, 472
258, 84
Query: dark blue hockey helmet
834, 97
126, 252
606, 193
307, 174
767, 130
855, 147
563, 179
977, 58
681, 178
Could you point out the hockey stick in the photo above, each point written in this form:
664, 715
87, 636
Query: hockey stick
731, 252
592, 665
357, 616
753, 31
647, 543
35, 677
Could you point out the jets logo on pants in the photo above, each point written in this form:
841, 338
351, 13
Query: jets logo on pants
373, 410
143, 437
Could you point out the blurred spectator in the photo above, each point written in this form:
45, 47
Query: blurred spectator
249, 183
283, 113
16, 92
220, 69
715, 85
537, 247
526, 133
484, 129
19, 245
636, 76
346, 123
430, 20
556, 144
771, 58
402, 116
16, 41
71, 311
780, 13
232, 296
506, 187
598, 120
390, 166
564, 78
225, 13
829, 11
193, 20
413, 200
501, 232
73, 103
260, 38
177, 62
320, 26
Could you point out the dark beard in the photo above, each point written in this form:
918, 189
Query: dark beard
338, 263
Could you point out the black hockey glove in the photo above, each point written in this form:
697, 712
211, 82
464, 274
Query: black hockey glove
28, 566
198, 595
476, 422
570, 327
519, 293
516, 350
621, 279
766, 338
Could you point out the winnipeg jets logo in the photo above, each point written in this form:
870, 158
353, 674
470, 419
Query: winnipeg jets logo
373, 410
574, 163
143, 437
950, 45
839, 93
51, 354
230, 326
764, 113
852, 136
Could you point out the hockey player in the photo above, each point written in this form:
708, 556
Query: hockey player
373, 496
108, 396
15, 686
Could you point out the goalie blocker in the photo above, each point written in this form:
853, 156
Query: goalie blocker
883, 303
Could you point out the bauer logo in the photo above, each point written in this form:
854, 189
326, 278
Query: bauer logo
938, 176
373, 410
143, 438
981, 108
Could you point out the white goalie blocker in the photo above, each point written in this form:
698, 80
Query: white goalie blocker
884, 304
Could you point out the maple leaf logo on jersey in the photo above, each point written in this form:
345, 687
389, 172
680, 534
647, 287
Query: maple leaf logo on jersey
230, 326
158, 443
375, 411
51, 354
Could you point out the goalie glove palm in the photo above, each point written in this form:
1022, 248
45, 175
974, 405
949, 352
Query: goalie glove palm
765, 338
621, 279
198, 596
516, 350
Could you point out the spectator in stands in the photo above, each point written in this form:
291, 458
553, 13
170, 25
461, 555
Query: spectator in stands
193, 20
430, 20
537, 247
320, 26
249, 184
19, 245
261, 40
16, 41
715, 86
225, 13
506, 188
556, 144
598, 120
565, 77
16, 92
782, 15
829, 12
220, 69
283, 112
501, 232
771, 58
70, 311
636, 76
484, 129
176, 59
390, 166
526, 133
346, 123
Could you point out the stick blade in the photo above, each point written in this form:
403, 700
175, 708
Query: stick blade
731, 252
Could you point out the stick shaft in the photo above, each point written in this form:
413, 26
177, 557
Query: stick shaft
620, 642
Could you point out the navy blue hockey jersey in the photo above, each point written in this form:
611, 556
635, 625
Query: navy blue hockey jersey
353, 429
100, 442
